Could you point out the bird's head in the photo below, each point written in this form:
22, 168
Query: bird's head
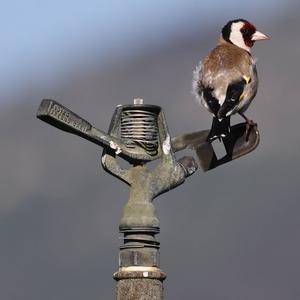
242, 34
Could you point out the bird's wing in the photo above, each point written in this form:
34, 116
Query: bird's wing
240, 93
234, 95
203, 91
249, 92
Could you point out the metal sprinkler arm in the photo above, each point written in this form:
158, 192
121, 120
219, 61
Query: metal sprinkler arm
236, 145
110, 165
170, 173
57, 115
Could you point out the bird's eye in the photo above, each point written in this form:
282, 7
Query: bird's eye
246, 32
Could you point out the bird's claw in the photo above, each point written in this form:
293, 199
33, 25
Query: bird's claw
250, 125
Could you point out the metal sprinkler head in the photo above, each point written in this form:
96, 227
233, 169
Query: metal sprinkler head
138, 133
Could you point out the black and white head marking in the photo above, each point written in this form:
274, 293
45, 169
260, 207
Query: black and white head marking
239, 32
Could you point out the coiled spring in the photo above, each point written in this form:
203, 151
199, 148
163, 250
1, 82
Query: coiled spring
140, 127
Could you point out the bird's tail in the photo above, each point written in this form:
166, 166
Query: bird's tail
220, 129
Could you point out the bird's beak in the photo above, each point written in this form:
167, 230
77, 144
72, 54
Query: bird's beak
259, 36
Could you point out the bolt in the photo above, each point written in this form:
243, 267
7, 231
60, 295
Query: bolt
138, 101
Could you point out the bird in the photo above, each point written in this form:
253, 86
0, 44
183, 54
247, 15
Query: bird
226, 81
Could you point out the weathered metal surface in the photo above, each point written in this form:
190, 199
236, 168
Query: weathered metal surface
57, 115
236, 145
144, 184
61, 117
138, 133
139, 224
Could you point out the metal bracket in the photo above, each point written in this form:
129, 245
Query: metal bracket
236, 145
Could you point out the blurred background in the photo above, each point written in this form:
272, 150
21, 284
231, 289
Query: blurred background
231, 233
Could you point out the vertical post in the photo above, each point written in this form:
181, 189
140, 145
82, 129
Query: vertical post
140, 284
139, 275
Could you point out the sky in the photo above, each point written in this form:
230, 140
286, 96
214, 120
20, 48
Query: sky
45, 40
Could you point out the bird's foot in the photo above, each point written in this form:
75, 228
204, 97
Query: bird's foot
250, 125
220, 129
212, 137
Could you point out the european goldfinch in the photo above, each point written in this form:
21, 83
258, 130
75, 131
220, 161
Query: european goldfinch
226, 82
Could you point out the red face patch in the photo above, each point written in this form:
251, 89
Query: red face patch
247, 31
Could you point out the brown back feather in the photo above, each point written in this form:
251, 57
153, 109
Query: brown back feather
225, 64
